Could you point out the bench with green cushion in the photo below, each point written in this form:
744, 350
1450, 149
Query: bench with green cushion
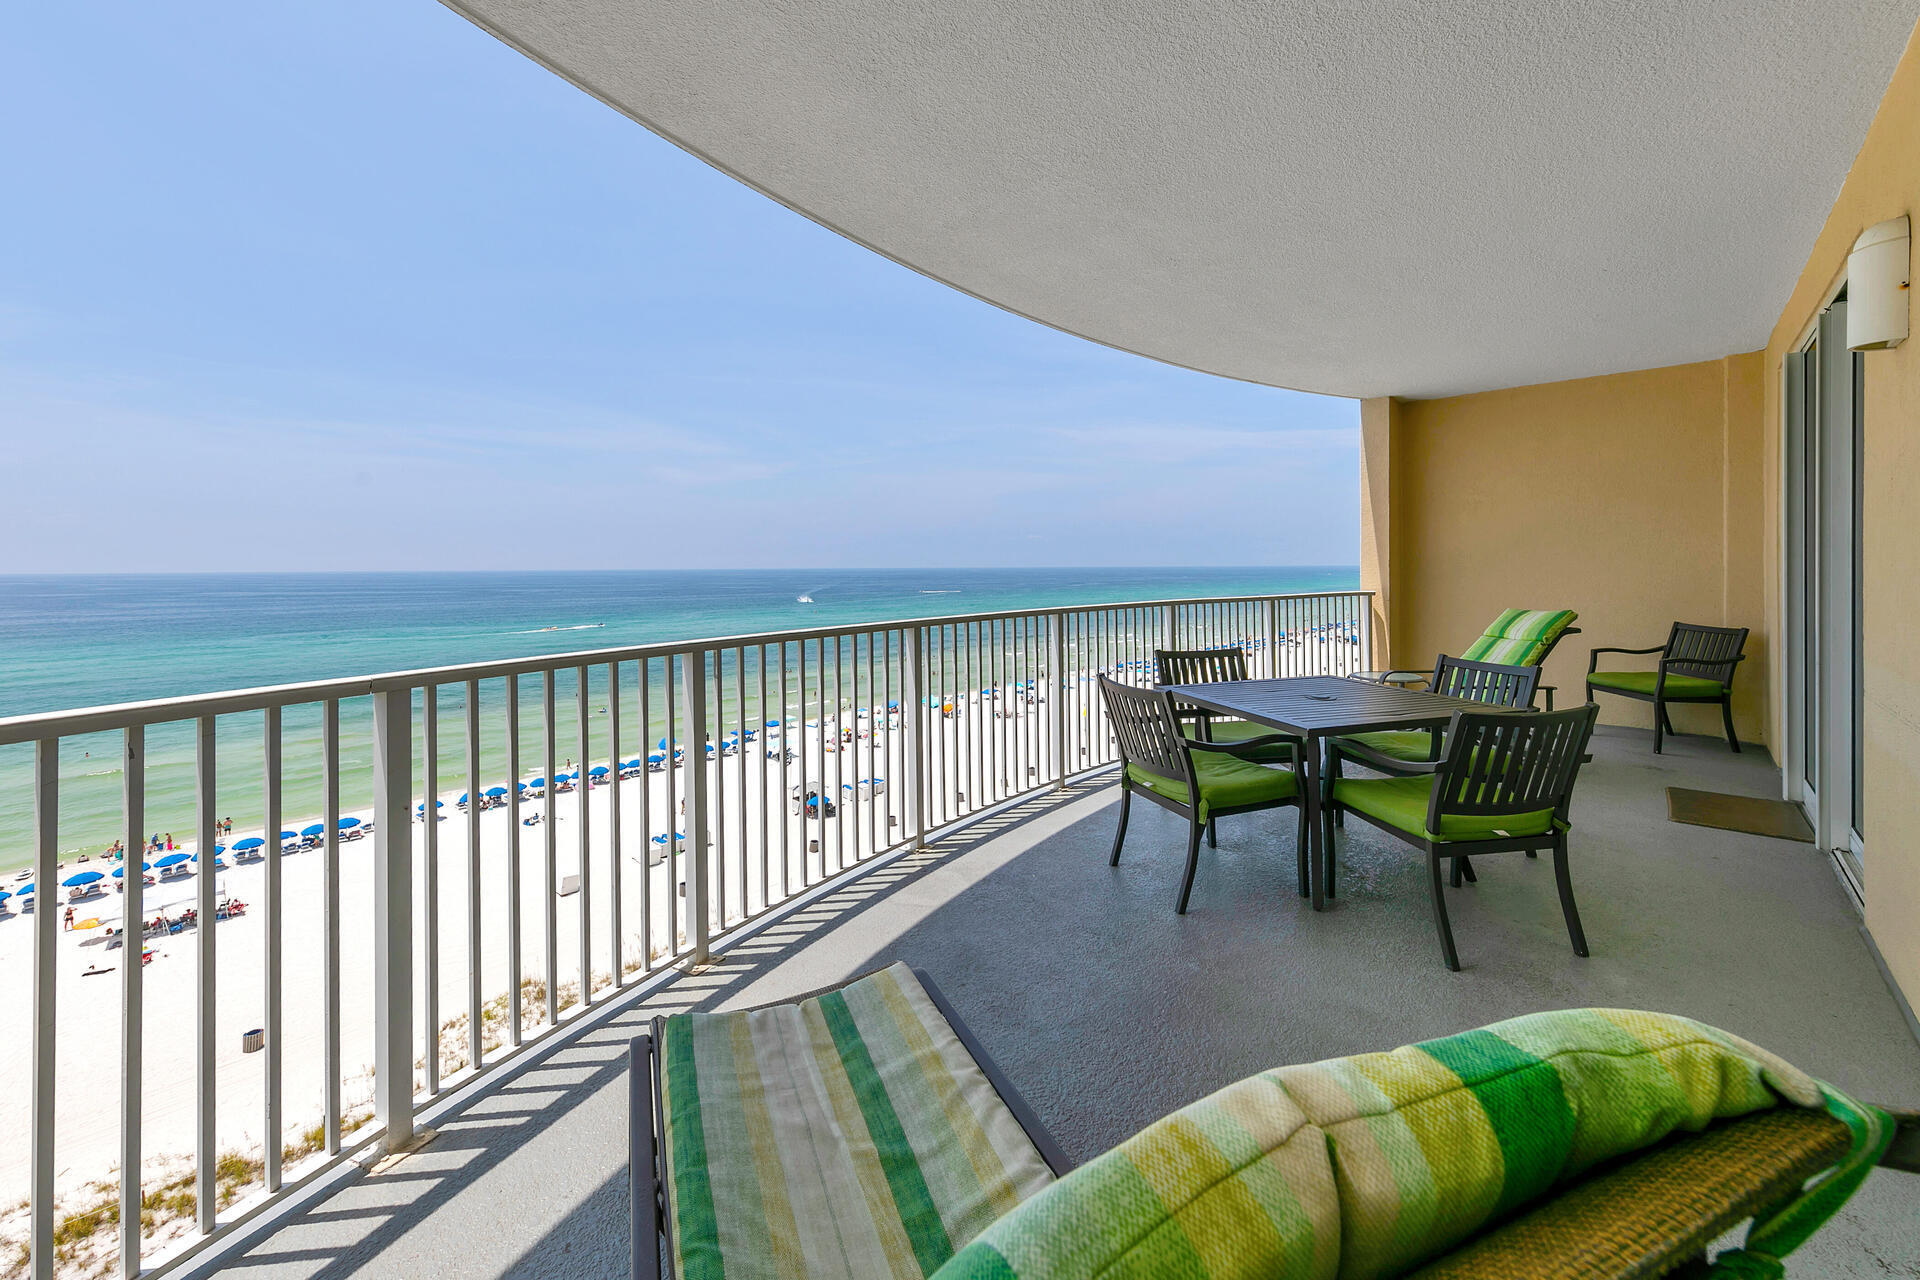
1226, 782
1698, 663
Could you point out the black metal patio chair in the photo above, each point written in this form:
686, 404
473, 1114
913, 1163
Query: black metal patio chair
1212, 666
1697, 664
1503, 786
1201, 781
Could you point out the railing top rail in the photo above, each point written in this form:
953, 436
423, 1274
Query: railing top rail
122, 715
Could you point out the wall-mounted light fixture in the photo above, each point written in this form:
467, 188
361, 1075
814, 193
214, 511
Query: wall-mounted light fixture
1878, 279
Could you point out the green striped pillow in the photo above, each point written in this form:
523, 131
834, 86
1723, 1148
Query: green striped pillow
1520, 637
1370, 1165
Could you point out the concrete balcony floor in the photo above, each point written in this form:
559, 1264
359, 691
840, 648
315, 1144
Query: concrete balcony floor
1107, 1010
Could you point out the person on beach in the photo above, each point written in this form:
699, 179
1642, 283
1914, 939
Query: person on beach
67, 923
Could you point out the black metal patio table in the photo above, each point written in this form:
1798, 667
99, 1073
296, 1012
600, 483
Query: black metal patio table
1316, 708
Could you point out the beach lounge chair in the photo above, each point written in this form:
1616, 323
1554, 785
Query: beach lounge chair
1517, 638
1590, 1143
1697, 664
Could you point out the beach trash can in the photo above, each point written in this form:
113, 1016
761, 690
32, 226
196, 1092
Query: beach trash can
253, 1041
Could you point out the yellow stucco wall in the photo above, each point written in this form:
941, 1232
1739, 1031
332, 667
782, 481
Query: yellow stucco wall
1883, 183
1633, 498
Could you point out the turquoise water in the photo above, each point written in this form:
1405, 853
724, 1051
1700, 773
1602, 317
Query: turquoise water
87, 641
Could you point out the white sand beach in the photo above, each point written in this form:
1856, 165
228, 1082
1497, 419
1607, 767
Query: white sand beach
983, 752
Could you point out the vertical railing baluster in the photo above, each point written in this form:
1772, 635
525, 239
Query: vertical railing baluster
646, 812
838, 793
550, 843
676, 907
393, 914
476, 1044
718, 779
694, 670
205, 1005
430, 886
781, 801
273, 926
914, 710
740, 769
614, 762
515, 975
583, 787
46, 939
329, 919
764, 737
132, 990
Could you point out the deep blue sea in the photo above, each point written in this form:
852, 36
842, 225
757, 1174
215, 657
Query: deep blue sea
86, 641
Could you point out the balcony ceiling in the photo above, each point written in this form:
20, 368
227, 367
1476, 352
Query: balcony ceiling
1358, 199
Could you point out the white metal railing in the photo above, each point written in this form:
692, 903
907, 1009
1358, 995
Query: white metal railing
765, 764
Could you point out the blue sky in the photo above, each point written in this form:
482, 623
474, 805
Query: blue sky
354, 286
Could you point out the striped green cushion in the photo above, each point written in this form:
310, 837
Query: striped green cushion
1520, 637
1367, 1166
850, 1134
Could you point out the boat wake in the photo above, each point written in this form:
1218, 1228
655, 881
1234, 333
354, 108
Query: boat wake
583, 626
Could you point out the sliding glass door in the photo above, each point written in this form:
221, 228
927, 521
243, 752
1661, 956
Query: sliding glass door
1822, 764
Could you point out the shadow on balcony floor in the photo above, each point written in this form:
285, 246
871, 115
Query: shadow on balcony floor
1107, 1010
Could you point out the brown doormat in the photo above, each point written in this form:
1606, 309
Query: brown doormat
1777, 818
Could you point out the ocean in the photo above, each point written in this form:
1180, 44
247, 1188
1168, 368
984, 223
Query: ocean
78, 641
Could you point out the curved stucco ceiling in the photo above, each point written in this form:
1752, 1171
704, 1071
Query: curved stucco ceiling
1359, 199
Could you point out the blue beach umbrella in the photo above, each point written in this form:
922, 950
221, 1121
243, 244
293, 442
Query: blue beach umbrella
289, 835
422, 806
537, 782
494, 793
317, 829
346, 824
251, 842
462, 799
171, 860
4, 895
773, 724
85, 877
598, 771
658, 757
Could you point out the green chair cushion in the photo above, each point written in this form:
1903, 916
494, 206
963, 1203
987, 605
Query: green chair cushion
1402, 803
1243, 731
1520, 637
1401, 744
1642, 682
1367, 1166
1225, 783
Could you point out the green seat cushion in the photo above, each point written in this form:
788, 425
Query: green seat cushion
1642, 682
1371, 1165
1242, 731
1520, 637
849, 1134
1225, 783
1402, 803
1400, 744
